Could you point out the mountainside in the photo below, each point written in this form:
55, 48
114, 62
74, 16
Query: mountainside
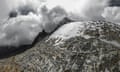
91, 46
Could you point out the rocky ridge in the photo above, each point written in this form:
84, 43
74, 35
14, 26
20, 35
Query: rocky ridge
96, 48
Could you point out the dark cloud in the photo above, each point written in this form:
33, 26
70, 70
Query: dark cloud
114, 3
13, 14
26, 9
22, 10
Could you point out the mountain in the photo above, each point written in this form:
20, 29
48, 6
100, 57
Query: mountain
89, 46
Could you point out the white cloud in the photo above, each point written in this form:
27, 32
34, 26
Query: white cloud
7, 5
23, 29
77, 9
112, 14
20, 30
86, 9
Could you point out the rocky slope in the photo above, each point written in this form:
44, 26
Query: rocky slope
94, 47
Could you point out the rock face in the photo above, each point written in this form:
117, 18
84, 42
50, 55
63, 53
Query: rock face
95, 49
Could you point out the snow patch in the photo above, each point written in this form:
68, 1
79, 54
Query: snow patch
70, 30
67, 31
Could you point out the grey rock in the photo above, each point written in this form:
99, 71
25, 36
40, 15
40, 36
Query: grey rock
99, 53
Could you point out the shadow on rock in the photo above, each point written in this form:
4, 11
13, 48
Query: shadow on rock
7, 51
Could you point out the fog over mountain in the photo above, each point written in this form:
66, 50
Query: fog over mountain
22, 20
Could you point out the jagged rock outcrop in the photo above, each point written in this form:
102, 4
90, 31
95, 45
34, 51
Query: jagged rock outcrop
95, 48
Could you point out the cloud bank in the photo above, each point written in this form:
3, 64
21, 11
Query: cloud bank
76, 9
